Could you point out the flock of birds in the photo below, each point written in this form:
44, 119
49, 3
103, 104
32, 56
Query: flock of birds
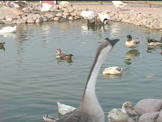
89, 109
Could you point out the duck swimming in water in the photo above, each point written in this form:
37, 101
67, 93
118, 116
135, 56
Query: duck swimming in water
131, 43
112, 70
8, 29
90, 110
154, 42
62, 55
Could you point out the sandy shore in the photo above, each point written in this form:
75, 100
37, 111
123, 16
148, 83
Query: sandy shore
155, 11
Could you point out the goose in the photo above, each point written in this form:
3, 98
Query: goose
131, 43
119, 4
62, 55
112, 70
154, 42
90, 110
64, 109
8, 29
120, 115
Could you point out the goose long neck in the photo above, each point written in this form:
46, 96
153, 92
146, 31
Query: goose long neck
123, 109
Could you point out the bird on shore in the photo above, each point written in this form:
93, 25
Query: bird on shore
62, 55
112, 70
104, 18
90, 110
131, 43
8, 29
120, 115
119, 4
154, 42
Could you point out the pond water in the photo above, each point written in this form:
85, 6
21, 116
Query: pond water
32, 80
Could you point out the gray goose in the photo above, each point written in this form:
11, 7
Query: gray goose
89, 109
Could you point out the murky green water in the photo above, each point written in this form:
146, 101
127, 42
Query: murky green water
32, 80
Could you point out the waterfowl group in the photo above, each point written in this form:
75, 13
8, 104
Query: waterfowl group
119, 4
112, 70
93, 18
131, 43
8, 29
90, 110
120, 115
63, 56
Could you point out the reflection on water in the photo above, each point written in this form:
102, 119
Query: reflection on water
131, 54
67, 60
33, 80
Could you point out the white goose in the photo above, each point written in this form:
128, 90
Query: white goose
64, 109
120, 115
112, 70
8, 29
90, 109
119, 4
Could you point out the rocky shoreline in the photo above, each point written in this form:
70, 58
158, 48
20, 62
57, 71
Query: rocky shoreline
34, 13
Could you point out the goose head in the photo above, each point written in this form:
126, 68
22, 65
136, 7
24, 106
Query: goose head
127, 105
58, 51
129, 37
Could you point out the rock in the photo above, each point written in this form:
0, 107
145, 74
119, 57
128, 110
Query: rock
39, 20
48, 15
149, 116
30, 20
65, 4
148, 105
56, 18
70, 18
160, 117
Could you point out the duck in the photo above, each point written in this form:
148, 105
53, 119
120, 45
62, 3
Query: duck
8, 29
89, 109
2, 44
119, 4
120, 115
62, 55
104, 18
154, 42
112, 70
131, 43
64, 109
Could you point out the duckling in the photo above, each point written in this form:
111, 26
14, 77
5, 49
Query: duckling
120, 115
62, 55
119, 4
64, 109
8, 29
112, 70
131, 43
154, 42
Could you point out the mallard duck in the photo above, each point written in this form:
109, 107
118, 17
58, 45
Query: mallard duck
112, 70
120, 115
131, 43
62, 55
154, 42
8, 29
64, 109
119, 4
89, 109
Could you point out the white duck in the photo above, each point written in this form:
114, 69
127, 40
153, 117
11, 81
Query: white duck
89, 109
64, 109
89, 15
119, 4
131, 43
8, 29
120, 115
104, 18
112, 70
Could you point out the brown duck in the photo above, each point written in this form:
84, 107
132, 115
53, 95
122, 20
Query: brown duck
62, 55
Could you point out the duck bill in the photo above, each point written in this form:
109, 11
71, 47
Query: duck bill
132, 109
